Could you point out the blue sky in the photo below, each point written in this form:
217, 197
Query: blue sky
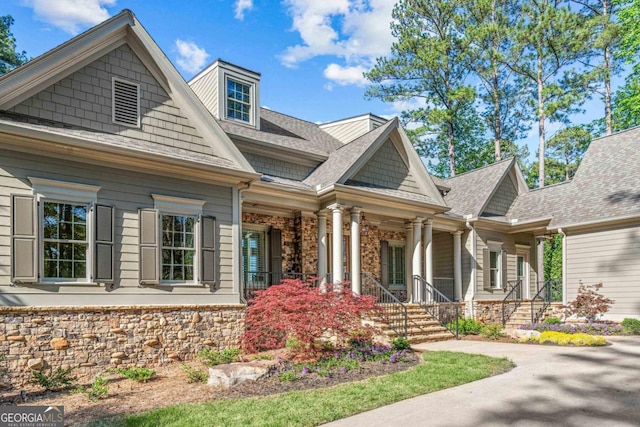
311, 53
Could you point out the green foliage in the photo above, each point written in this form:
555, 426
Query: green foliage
60, 379
212, 357
492, 331
565, 151
400, 343
141, 375
552, 321
467, 326
9, 58
562, 338
626, 110
553, 258
99, 389
631, 326
194, 375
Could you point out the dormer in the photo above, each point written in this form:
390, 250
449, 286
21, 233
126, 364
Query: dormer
346, 130
230, 92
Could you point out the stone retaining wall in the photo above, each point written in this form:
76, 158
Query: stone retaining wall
93, 339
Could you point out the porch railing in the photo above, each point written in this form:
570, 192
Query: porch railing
512, 300
550, 291
436, 304
392, 311
261, 280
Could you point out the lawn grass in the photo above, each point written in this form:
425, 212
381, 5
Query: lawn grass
312, 407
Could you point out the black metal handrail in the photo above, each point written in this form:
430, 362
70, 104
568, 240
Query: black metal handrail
392, 311
512, 300
261, 280
550, 291
436, 304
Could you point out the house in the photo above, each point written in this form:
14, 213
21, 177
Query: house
140, 212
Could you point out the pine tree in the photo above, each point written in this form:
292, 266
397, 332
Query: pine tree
9, 58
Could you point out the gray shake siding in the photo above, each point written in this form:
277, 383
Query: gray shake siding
386, 169
127, 192
84, 99
610, 256
276, 167
502, 199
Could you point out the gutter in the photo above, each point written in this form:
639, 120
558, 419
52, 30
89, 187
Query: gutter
564, 265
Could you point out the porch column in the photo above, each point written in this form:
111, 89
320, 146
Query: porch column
428, 251
416, 253
355, 250
336, 246
408, 260
457, 265
540, 261
322, 246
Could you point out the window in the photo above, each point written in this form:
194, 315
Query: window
238, 100
177, 243
60, 234
126, 102
494, 274
494, 266
254, 256
178, 247
65, 240
396, 265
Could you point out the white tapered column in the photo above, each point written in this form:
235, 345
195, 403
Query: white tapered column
409, 260
336, 243
322, 246
355, 250
428, 250
457, 265
416, 253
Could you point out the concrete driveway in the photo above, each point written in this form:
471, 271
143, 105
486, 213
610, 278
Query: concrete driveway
551, 386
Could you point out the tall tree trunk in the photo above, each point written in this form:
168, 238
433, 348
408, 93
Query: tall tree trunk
608, 120
541, 117
497, 137
452, 153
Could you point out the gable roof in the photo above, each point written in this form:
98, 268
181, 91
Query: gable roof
471, 191
123, 28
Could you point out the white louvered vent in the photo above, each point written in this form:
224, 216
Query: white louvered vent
126, 103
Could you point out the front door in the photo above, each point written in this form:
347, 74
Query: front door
522, 265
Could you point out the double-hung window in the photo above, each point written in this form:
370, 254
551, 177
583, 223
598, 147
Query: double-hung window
396, 265
239, 100
177, 243
494, 266
60, 234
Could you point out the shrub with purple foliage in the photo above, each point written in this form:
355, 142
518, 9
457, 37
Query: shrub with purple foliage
593, 328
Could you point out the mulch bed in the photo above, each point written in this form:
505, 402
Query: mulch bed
170, 387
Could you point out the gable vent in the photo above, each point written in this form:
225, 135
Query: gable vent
126, 103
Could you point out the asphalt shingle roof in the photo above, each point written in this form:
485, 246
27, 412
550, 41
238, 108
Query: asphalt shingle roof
470, 191
115, 140
285, 131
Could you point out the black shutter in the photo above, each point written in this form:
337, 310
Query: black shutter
275, 254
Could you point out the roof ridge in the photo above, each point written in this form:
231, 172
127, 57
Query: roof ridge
381, 129
508, 159
601, 137
557, 184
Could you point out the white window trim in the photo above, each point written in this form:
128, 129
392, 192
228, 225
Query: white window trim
403, 244
180, 206
113, 102
49, 190
495, 246
261, 228
521, 251
252, 100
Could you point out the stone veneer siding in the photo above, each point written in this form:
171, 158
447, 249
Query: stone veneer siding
93, 339
287, 227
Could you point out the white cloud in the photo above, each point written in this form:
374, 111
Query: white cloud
344, 76
357, 31
71, 16
241, 7
191, 58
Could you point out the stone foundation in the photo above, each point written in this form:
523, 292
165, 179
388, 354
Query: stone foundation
93, 339
488, 311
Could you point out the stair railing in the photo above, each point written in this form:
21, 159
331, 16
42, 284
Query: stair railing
512, 301
550, 292
436, 304
392, 311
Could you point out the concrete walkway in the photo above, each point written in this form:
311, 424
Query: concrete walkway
551, 386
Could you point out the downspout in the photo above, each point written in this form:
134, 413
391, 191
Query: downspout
237, 237
471, 290
564, 265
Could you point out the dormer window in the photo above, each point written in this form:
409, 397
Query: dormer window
238, 100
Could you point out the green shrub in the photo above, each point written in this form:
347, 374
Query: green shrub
57, 380
194, 375
99, 389
400, 343
141, 375
552, 321
631, 326
561, 338
493, 331
212, 358
466, 326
